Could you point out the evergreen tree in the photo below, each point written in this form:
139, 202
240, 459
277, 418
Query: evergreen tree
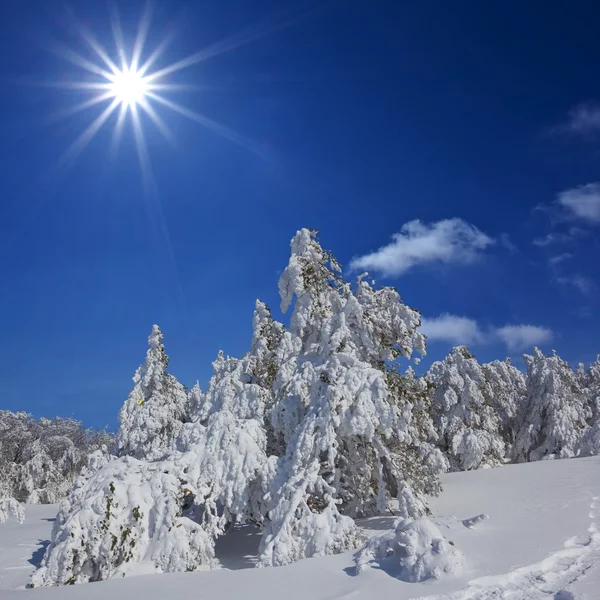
505, 391
155, 409
334, 408
468, 426
554, 415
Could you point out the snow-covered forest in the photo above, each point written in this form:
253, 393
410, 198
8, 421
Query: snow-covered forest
322, 422
40, 459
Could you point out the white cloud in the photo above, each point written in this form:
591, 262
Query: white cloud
583, 120
560, 258
522, 337
462, 330
583, 202
453, 329
448, 241
583, 284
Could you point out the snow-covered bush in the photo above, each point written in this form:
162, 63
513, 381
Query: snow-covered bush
413, 551
554, 416
120, 514
468, 426
589, 442
155, 409
40, 459
10, 508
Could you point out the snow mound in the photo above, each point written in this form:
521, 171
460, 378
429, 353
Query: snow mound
414, 551
10, 508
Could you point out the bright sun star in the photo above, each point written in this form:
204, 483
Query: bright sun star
128, 87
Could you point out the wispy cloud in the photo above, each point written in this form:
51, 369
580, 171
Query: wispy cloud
505, 241
554, 237
582, 202
453, 329
583, 284
582, 121
560, 258
463, 330
521, 337
450, 241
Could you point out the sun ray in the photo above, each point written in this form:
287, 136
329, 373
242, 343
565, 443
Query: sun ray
156, 54
118, 132
93, 43
67, 112
242, 38
78, 60
209, 124
153, 199
117, 30
70, 85
177, 87
84, 139
158, 122
142, 34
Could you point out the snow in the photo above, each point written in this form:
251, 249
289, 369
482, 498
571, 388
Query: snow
22, 545
540, 542
414, 551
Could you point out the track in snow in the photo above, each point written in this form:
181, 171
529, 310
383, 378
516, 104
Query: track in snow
545, 580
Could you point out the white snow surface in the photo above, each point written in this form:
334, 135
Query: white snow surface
541, 542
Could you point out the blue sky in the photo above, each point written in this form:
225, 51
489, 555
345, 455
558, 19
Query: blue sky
355, 118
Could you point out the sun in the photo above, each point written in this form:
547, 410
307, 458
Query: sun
128, 86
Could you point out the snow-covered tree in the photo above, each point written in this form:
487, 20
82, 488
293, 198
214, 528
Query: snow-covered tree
334, 408
468, 425
554, 416
122, 512
155, 409
588, 380
40, 459
505, 391
591, 385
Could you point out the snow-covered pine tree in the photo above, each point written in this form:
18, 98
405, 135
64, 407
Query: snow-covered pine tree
413, 445
589, 381
554, 416
468, 426
334, 409
592, 387
196, 403
155, 409
505, 391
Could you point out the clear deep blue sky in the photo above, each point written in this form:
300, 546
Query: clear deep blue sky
367, 115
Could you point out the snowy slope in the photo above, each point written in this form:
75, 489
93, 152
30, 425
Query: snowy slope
22, 546
540, 542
